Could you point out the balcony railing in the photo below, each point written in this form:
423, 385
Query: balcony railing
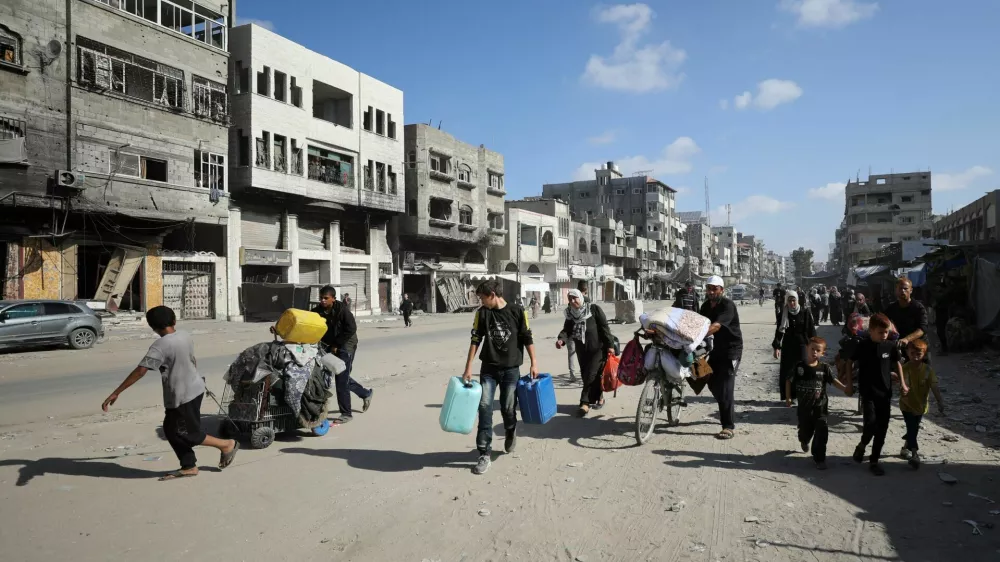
494, 190
331, 175
442, 176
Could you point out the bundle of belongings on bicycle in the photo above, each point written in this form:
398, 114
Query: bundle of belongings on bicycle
680, 344
296, 369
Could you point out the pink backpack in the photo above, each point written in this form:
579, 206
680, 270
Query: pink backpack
631, 370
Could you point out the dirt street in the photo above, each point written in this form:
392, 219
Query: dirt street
392, 486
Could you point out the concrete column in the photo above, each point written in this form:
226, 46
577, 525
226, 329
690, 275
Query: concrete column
432, 293
291, 242
234, 272
334, 252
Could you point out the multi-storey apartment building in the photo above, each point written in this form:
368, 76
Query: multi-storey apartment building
975, 222
316, 172
114, 118
884, 209
454, 217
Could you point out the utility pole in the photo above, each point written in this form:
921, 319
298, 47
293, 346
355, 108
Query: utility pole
519, 256
729, 215
708, 205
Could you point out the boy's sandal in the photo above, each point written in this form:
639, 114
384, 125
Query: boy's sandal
176, 475
725, 434
584, 410
227, 458
598, 406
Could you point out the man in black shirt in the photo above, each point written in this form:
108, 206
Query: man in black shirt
726, 354
779, 301
406, 308
878, 364
502, 329
341, 339
687, 298
908, 316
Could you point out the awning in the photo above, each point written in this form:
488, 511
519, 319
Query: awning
861, 273
916, 274
534, 288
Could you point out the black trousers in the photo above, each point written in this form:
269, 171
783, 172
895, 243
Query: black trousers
406, 318
813, 427
591, 369
722, 384
182, 428
876, 413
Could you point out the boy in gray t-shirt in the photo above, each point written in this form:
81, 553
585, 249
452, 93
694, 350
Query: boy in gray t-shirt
183, 388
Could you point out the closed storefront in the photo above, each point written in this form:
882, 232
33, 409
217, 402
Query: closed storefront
349, 278
188, 289
312, 234
309, 272
261, 230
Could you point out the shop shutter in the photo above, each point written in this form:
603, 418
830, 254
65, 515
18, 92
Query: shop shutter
261, 230
359, 295
312, 235
309, 272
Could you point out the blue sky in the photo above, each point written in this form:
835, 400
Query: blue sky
777, 102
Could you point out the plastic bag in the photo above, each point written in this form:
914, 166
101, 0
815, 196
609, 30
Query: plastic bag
609, 378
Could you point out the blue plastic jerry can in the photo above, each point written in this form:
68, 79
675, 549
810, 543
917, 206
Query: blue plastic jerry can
537, 398
461, 404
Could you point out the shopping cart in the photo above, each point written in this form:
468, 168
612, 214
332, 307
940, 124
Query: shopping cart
253, 410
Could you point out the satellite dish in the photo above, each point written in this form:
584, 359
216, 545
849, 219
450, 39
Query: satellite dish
55, 47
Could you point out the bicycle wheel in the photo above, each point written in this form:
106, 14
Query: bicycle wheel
649, 407
674, 399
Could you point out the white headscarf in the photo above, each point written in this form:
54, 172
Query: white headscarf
579, 316
788, 310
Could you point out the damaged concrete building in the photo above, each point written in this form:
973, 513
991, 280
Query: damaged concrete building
454, 218
114, 151
316, 172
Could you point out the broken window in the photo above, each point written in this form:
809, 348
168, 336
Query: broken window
191, 19
296, 159
547, 239
440, 164
391, 127
380, 176
529, 235
885, 240
244, 148
906, 199
210, 99
411, 159
296, 93
593, 247
210, 170
393, 185
636, 210
465, 215
583, 246
264, 82
496, 221
620, 191
496, 180
103, 67
636, 191
12, 128
379, 122
440, 209
367, 123
10, 47
280, 86
242, 78
332, 104
127, 164
280, 156
328, 166
369, 177
465, 173
263, 151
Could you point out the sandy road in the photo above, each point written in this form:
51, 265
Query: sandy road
391, 486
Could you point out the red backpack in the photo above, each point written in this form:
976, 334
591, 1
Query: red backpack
631, 369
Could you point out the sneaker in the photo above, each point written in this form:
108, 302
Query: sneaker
805, 446
510, 442
859, 453
877, 469
904, 454
368, 401
915, 460
483, 465
821, 465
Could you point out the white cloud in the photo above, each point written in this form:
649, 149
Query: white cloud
960, 180
683, 190
674, 160
717, 170
723, 104
770, 94
750, 207
631, 67
266, 24
606, 137
832, 191
829, 13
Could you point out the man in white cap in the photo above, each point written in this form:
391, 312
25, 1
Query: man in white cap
726, 353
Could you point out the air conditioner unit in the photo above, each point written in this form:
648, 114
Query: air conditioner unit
69, 178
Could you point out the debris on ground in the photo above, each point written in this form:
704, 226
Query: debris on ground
947, 478
977, 496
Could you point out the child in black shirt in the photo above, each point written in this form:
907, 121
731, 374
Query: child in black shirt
810, 380
878, 365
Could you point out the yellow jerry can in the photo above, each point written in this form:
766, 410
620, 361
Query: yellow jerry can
300, 326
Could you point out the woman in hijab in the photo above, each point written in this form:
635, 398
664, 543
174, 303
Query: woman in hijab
836, 308
861, 306
588, 328
791, 338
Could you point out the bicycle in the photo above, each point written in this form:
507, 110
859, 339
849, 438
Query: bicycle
659, 393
